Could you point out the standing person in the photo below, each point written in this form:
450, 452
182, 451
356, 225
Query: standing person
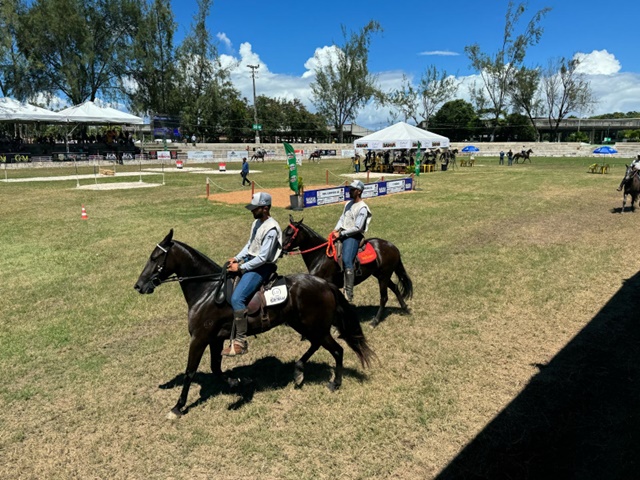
256, 262
245, 172
509, 157
350, 229
501, 157
356, 163
193, 139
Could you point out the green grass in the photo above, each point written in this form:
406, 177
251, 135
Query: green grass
504, 262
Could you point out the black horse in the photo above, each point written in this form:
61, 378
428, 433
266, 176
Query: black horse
312, 308
631, 187
524, 156
314, 156
388, 261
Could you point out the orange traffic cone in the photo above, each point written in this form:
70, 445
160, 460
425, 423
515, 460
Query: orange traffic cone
84, 214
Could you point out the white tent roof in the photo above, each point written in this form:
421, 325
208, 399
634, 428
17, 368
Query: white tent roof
401, 135
89, 112
14, 111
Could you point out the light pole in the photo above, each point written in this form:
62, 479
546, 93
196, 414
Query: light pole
255, 109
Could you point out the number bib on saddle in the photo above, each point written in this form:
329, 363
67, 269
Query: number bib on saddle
276, 295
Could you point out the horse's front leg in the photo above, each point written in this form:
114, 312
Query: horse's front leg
215, 349
624, 202
196, 349
384, 297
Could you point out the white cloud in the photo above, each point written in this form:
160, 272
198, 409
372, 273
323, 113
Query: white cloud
598, 62
321, 57
444, 53
224, 40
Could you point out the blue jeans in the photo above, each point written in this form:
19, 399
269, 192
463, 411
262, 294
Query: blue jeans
249, 284
349, 251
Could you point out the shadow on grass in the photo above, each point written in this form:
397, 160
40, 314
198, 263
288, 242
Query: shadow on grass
268, 373
579, 417
367, 313
626, 209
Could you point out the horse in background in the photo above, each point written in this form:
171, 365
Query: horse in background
315, 156
388, 261
258, 155
523, 156
631, 187
312, 307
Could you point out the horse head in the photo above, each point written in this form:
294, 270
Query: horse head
290, 235
158, 267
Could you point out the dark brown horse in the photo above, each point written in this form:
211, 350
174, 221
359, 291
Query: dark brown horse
524, 156
315, 156
311, 309
388, 261
631, 187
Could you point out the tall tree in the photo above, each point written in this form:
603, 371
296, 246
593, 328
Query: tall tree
343, 85
497, 69
524, 91
565, 90
457, 120
151, 84
421, 102
14, 68
201, 72
80, 46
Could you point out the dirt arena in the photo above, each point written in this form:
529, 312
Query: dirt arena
279, 196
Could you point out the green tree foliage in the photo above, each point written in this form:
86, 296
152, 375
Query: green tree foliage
518, 128
80, 46
343, 85
525, 96
152, 81
457, 120
565, 90
14, 68
497, 69
419, 103
615, 115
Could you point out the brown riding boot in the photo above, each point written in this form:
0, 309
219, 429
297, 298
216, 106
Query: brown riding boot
239, 344
349, 279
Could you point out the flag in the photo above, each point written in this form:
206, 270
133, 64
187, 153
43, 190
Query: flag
293, 167
417, 161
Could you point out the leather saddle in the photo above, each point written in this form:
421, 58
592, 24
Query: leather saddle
273, 292
366, 254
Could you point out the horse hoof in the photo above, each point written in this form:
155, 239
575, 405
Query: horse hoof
374, 323
298, 378
174, 414
332, 386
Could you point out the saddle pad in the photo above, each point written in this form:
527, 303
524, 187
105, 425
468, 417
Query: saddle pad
367, 255
277, 294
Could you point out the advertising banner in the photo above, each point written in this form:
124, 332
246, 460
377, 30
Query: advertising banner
293, 167
200, 155
328, 196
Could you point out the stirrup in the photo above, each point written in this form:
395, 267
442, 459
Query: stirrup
236, 347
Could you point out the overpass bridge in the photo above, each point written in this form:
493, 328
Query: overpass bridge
598, 129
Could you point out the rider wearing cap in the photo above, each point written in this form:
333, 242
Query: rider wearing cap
255, 262
634, 165
350, 229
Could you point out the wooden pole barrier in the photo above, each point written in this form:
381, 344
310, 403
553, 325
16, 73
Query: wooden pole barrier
327, 177
253, 188
208, 188
367, 176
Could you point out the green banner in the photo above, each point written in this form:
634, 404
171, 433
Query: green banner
293, 167
417, 161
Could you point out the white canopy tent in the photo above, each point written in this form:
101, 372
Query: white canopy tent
401, 136
89, 112
19, 112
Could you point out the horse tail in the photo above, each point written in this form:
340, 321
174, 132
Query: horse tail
404, 282
347, 321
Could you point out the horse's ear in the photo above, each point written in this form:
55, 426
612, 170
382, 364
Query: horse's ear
168, 238
290, 218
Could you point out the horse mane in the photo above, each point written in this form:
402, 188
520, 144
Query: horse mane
310, 231
199, 257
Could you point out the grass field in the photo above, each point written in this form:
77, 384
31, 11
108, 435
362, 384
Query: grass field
509, 264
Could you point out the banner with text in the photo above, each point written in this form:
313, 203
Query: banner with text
328, 196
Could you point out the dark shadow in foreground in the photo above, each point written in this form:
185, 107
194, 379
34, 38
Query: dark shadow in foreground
579, 417
268, 373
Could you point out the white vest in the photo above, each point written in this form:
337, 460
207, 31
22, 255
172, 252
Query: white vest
256, 241
351, 211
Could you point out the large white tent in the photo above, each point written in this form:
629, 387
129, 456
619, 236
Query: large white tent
89, 112
19, 112
400, 136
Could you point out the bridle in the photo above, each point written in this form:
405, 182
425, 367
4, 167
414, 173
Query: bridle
157, 281
296, 230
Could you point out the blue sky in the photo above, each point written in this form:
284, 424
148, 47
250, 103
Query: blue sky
284, 36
